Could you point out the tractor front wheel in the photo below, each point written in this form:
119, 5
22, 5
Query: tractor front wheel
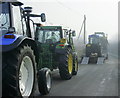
44, 81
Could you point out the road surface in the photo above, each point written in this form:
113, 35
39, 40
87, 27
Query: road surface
91, 80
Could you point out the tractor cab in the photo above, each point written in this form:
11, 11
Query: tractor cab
98, 38
10, 17
17, 20
48, 34
93, 39
69, 34
53, 36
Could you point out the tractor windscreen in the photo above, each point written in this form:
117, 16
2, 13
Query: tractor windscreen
94, 40
4, 17
48, 35
100, 35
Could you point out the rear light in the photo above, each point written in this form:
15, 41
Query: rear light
62, 45
9, 36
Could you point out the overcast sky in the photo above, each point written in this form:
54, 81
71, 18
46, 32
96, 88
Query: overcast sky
101, 15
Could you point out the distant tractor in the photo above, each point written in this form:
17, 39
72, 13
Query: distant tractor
20, 59
96, 49
56, 50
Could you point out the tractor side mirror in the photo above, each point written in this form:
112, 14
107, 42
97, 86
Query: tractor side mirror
66, 32
43, 17
73, 33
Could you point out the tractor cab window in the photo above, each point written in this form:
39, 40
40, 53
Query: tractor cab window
17, 23
65, 32
44, 36
94, 40
101, 35
4, 18
10, 16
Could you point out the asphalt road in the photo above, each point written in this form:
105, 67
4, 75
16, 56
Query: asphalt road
91, 80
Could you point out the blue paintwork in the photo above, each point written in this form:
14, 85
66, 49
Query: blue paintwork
93, 35
8, 41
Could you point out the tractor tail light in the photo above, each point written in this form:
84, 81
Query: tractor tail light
9, 36
62, 45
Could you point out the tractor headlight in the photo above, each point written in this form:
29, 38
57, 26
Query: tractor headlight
63, 40
88, 45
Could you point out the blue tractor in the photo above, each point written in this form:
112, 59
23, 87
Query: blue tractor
96, 49
20, 69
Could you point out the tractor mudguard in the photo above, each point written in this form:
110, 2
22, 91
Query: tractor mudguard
11, 41
60, 50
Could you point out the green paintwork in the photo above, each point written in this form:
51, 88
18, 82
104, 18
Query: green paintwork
57, 46
46, 57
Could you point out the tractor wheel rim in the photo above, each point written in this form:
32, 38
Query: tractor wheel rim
26, 76
48, 80
70, 63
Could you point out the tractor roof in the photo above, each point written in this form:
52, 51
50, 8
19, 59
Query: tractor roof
14, 2
94, 35
51, 27
98, 34
101, 34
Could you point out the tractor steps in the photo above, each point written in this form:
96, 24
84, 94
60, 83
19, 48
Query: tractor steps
85, 60
88, 60
100, 60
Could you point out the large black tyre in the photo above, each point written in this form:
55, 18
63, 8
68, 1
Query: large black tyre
66, 65
88, 51
44, 81
75, 66
19, 72
99, 51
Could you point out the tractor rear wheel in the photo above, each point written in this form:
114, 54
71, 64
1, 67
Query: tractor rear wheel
75, 67
19, 72
66, 65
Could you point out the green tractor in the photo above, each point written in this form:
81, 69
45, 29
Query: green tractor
56, 50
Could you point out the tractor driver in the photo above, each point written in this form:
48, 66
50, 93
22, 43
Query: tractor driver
52, 37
